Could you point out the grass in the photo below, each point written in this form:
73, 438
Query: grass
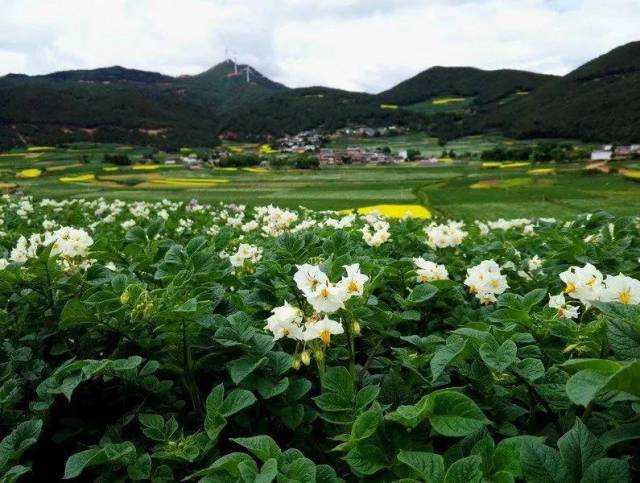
445, 189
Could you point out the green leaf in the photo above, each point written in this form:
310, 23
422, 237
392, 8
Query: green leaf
446, 354
429, 466
542, 464
465, 470
583, 386
268, 472
453, 414
241, 368
365, 425
500, 359
302, 470
73, 314
530, 369
579, 449
607, 470
624, 338
340, 381
263, 447
117, 452
366, 459
236, 401
422, 293
228, 463
623, 433
366, 396
506, 457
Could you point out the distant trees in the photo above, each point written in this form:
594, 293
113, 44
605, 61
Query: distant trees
240, 160
117, 159
541, 153
412, 154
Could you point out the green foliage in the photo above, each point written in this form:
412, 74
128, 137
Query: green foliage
147, 358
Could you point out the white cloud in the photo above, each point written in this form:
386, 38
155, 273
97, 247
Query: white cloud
353, 44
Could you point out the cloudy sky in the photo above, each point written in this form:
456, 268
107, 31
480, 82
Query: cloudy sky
366, 45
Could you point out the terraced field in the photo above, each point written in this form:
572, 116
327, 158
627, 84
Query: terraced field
473, 189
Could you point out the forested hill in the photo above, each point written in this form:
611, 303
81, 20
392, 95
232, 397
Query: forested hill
598, 101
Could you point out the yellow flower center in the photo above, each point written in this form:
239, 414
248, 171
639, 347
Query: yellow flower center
353, 286
625, 297
570, 288
325, 335
591, 281
285, 332
324, 293
494, 283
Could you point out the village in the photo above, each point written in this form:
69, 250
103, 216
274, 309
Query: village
318, 144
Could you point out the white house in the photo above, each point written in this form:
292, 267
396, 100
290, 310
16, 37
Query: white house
601, 155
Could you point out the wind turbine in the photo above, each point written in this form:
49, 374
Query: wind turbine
247, 71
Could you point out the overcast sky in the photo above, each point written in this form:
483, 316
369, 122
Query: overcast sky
367, 45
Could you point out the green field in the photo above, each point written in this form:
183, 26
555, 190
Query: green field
445, 189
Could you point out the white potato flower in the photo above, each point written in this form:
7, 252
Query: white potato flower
353, 283
429, 271
486, 281
559, 303
323, 329
246, 253
582, 283
285, 322
308, 277
620, 288
327, 298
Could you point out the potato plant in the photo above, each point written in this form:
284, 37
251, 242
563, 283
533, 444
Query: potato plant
168, 341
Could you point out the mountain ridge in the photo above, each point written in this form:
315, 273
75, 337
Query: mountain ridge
597, 101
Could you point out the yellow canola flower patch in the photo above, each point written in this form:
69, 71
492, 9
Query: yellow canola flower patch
633, 174
388, 106
230, 168
39, 148
491, 164
255, 170
145, 167
29, 173
397, 211
110, 168
502, 183
517, 164
266, 149
188, 182
447, 100
81, 178
542, 171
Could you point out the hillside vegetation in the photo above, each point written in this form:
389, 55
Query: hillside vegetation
599, 101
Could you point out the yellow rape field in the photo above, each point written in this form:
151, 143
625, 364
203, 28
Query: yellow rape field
255, 170
29, 173
81, 178
633, 174
388, 106
516, 164
447, 100
397, 211
110, 168
188, 182
145, 167
542, 171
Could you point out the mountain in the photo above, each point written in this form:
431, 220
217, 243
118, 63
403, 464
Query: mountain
483, 85
225, 86
124, 105
598, 101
